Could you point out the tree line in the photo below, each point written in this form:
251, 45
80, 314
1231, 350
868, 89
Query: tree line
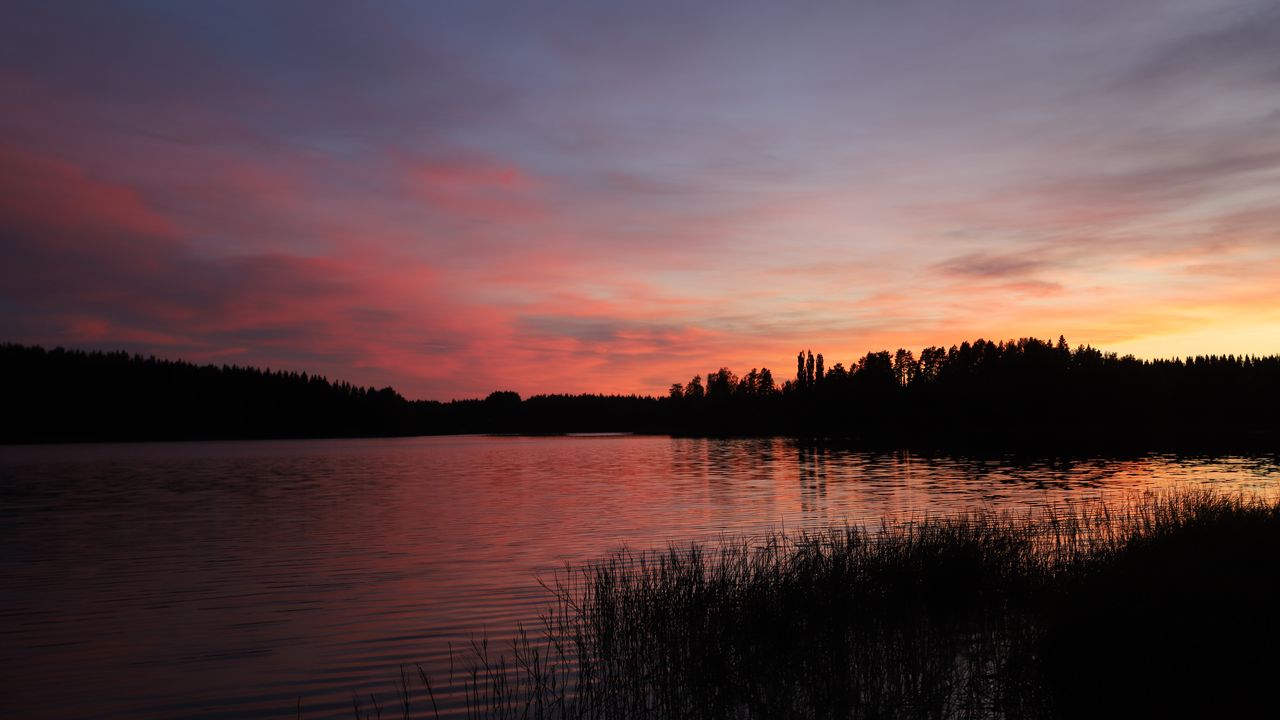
76, 396
1014, 394
1018, 393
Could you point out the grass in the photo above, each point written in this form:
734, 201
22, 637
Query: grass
1164, 606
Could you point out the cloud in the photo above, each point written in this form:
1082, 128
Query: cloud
37, 190
94, 263
475, 189
611, 334
1243, 42
988, 265
452, 198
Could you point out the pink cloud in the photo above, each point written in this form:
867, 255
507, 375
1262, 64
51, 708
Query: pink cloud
451, 273
471, 187
98, 245
38, 190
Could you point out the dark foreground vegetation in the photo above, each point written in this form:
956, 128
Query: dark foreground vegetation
1008, 395
1165, 607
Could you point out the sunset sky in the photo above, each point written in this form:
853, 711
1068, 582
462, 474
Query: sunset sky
457, 197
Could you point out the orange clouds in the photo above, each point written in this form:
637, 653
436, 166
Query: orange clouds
544, 306
449, 203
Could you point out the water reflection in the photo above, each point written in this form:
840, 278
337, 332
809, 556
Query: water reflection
812, 468
227, 579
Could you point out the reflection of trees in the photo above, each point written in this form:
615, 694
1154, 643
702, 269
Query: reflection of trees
811, 466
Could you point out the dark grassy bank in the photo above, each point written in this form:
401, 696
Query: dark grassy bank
1165, 607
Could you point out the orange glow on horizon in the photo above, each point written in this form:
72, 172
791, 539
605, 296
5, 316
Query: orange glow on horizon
449, 204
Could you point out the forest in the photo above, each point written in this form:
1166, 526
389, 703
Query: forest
64, 395
1011, 394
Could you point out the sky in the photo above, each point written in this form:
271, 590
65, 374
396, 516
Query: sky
457, 197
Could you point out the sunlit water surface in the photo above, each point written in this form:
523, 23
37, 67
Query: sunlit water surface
228, 580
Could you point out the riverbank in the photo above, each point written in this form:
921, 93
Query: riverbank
1162, 607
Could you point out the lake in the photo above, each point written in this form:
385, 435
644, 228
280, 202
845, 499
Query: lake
235, 579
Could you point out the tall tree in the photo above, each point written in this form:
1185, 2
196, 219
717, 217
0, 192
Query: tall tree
765, 382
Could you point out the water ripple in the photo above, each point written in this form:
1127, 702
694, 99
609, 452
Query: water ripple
231, 580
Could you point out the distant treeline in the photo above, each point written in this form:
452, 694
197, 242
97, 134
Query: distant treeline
70, 395
1011, 394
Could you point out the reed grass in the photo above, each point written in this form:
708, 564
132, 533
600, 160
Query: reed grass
1164, 605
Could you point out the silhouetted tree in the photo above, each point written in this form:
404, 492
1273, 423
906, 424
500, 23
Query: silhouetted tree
904, 367
721, 383
694, 389
1013, 393
68, 395
765, 382
837, 375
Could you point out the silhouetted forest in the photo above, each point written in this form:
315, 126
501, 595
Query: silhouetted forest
1013, 394
1016, 394
70, 395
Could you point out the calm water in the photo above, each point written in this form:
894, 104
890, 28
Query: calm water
219, 580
